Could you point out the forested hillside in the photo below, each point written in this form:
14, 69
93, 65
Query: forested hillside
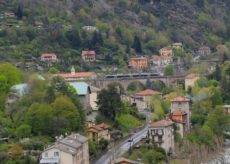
57, 26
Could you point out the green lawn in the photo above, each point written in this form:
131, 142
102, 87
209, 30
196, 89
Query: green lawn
127, 121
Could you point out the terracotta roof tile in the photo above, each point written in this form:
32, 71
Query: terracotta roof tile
75, 75
90, 52
179, 113
49, 54
98, 128
161, 123
180, 99
148, 92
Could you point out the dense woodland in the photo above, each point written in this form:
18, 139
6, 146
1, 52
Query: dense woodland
124, 28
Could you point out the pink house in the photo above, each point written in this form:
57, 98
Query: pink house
52, 57
88, 56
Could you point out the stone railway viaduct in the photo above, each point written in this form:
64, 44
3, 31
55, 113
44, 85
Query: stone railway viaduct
125, 82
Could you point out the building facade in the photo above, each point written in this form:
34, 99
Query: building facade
98, 132
204, 51
88, 56
138, 62
83, 91
50, 57
166, 54
74, 76
144, 98
182, 104
72, 149
180, 120
161, 134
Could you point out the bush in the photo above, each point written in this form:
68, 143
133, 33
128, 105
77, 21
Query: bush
127, 121
23, 131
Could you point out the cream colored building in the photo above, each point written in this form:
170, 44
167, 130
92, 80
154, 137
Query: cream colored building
93, 97
161, 134
227, 109
166, 54
190, 80
72, 149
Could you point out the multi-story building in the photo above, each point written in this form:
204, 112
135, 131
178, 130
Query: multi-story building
51, 57
72, 149
138, 62
83, 91
227, 109
161, 134
180, 119
166, 54
88, 56
204, 51
182, 104
73, 76
142, 99
98, 132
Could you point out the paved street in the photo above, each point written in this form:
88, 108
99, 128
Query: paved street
120, 148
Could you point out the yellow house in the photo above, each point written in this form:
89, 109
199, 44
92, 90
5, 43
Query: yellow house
70, 150
98, 132
190, 80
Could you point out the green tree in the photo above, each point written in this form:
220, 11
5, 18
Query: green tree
66, 115
168, 70
109, 102
137, 44
19, 11
11, 74
23, 130
39, 117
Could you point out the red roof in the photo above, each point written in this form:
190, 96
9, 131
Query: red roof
148, 92
156, 58
161, 123
180, 99
98, 128
75, 75
138, 58
91, 52
179, 113
49, 55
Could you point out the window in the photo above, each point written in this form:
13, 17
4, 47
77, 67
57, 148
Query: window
56, 154
46, 154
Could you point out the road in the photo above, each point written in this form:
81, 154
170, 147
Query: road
120, 148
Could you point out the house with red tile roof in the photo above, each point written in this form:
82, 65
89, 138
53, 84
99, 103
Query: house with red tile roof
161, 134
180, 120
138, 62
74, 76
142, 99
50, 57
98, 132
88, 56
182, 104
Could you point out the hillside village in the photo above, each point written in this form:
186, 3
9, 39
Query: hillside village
109, 82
